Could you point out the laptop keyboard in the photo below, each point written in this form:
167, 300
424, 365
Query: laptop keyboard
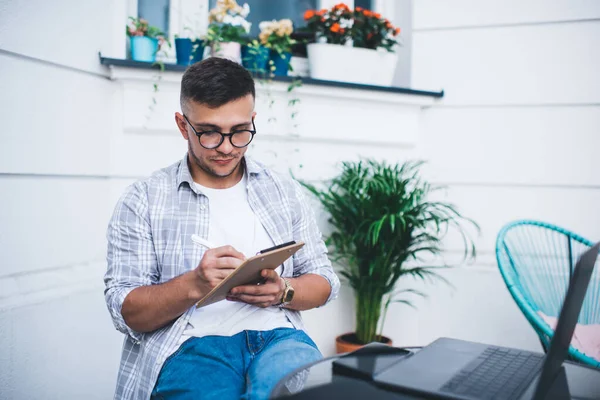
498, 373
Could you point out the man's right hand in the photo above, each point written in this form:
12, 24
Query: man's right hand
216, 265
151, 307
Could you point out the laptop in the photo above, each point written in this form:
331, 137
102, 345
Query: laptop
457, 369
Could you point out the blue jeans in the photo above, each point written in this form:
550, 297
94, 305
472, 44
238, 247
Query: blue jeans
245, 366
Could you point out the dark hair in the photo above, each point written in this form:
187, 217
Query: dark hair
214, 82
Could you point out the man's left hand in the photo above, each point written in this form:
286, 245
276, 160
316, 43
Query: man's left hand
264, 295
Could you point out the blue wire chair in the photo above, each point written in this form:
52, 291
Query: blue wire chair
536, 260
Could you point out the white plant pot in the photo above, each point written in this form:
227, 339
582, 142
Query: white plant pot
332, 62
229, 50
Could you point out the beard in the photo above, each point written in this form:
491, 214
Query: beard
204, 166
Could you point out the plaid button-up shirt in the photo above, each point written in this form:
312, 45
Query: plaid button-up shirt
149, 243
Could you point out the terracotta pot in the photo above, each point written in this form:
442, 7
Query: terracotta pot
347, 342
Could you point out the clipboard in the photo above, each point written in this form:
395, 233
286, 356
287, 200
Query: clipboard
248, 273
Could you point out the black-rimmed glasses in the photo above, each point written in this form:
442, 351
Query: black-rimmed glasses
213, 139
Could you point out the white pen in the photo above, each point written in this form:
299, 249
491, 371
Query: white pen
202, 242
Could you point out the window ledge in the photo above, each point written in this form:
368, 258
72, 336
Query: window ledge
310, 121
124, 69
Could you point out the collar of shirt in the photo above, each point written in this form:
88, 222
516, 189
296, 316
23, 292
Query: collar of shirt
184, 175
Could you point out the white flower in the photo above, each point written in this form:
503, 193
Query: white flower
286, 23
264, 25
245, 10
238, 20
247, 25
346, 23
228, 19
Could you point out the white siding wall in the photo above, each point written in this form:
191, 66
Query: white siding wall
516, 136
56, 338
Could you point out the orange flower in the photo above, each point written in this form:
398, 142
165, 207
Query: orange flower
397, 32
377, 15
367, 13
335, 28
358, 9
388, 24
341, 6
369, 36
309, 14
321, 12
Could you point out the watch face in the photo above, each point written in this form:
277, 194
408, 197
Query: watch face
289, 295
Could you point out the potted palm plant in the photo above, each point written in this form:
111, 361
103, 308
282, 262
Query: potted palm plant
382, 225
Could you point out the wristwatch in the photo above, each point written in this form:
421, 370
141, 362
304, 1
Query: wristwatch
288, 293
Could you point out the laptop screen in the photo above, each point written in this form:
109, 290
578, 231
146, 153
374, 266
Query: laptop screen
559, 346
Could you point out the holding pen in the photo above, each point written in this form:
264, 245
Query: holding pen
202, 242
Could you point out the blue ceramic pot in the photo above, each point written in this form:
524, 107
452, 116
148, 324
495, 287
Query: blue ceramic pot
255, 59
188, 51
198, 50
183, 51
281, 63
143, 48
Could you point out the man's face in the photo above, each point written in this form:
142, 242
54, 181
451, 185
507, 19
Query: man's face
221, 162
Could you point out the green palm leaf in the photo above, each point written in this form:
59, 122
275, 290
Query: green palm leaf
381, 217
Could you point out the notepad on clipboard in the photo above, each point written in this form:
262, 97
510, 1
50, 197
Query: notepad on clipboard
249, 273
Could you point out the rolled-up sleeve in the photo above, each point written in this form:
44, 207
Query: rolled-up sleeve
131, 258
312, 258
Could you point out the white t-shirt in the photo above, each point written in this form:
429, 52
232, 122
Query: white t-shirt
232, 222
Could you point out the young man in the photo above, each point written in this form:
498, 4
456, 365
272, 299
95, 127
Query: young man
240, 347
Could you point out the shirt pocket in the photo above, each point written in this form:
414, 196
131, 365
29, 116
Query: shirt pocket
167, 244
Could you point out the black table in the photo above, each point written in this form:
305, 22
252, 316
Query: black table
317, 381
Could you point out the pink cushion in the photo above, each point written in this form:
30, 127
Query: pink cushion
586, 338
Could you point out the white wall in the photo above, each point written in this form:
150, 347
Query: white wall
514, 137
56, 338
402, 16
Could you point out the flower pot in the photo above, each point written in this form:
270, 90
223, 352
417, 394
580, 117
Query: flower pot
143, 48
188, 51
255, 59
230, 50
347, 342
332, 62
281, 62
